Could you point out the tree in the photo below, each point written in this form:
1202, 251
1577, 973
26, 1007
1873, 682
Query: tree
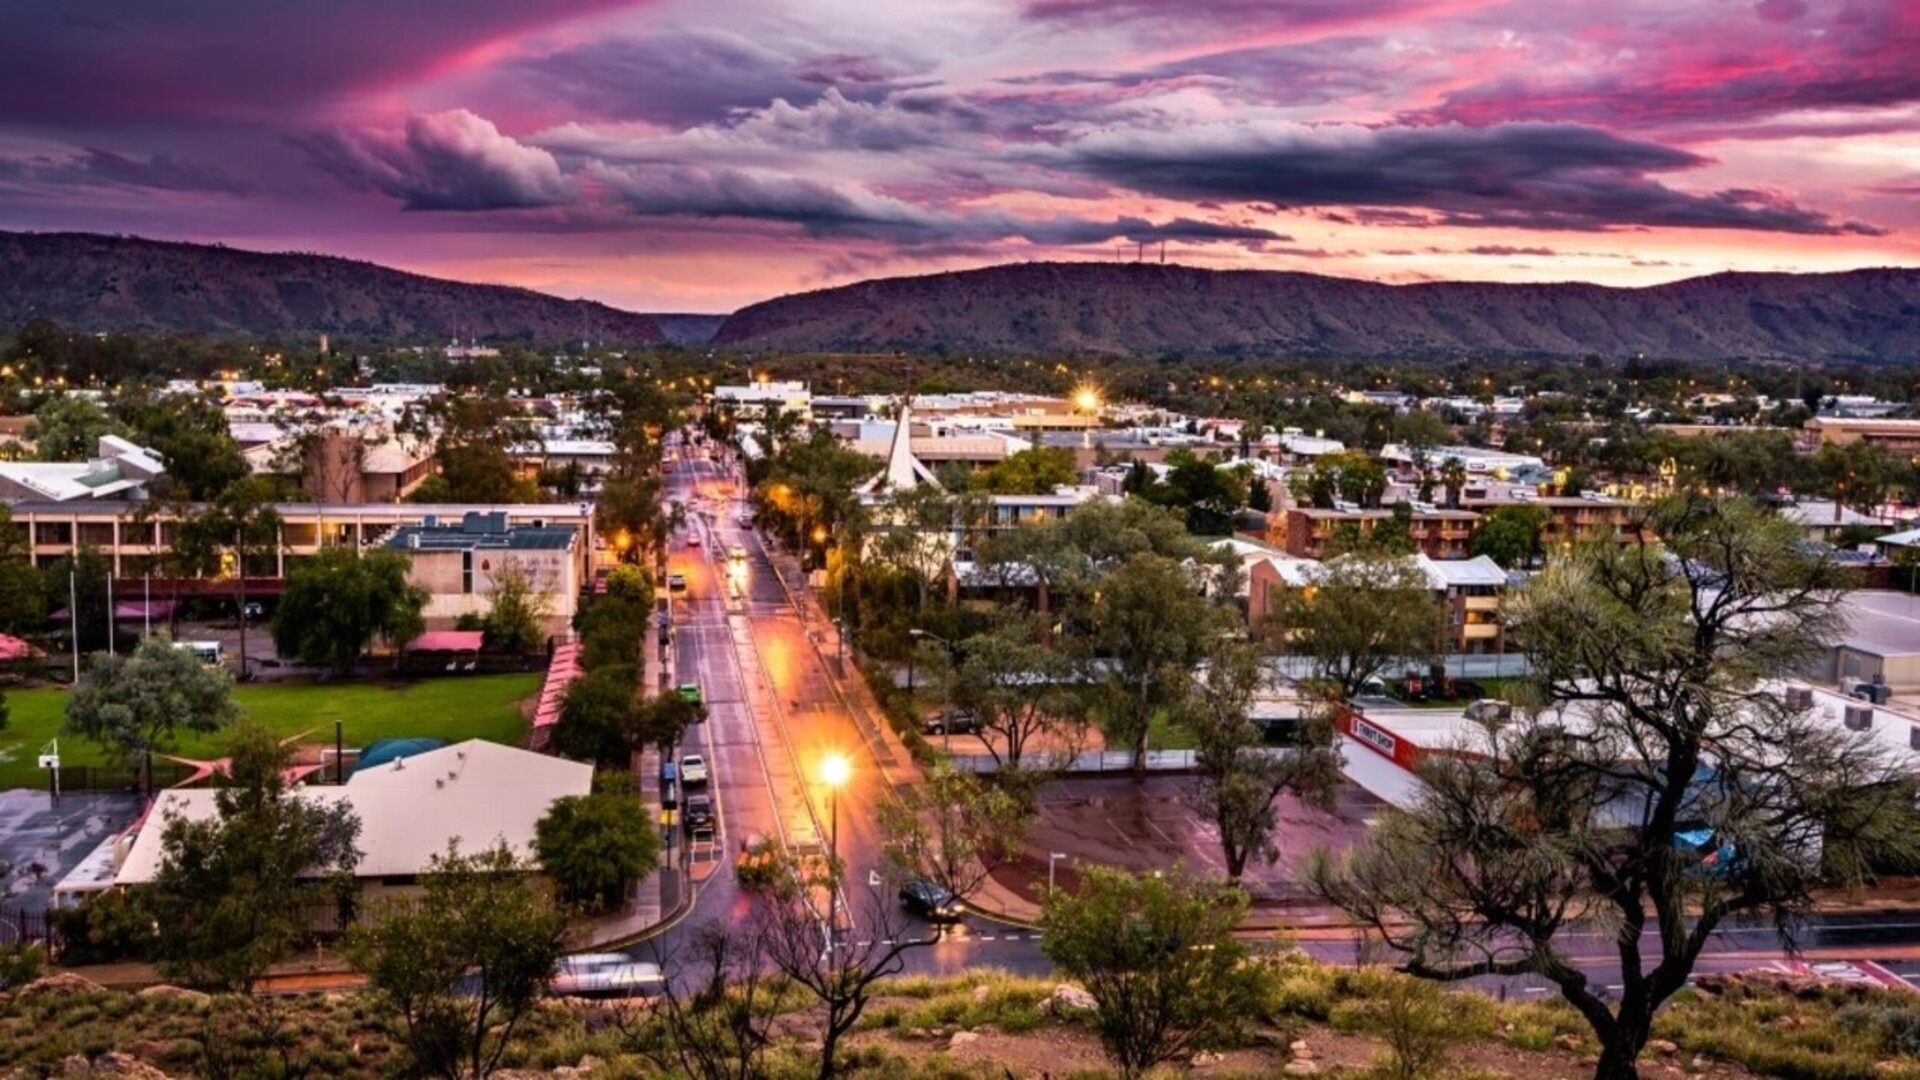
715, 1021
1151, 626
595, 847
1209, 496
1238, 781
234, 890
338, 601
517, 613
464, 962
1453, 477
1360, 617
1512, 535
597, 717
953, 830
1665, 788
1029, 472
473, 437
663, 719
79, 585
840, 974
23, 592
131, 705
1017, 687
1350, 475
612, 628
1860, 474
1159, 957
66, 427
190, 433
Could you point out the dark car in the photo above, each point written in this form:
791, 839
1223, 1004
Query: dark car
698, 813
953, 721
930, 900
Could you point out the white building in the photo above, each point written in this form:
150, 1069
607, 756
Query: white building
120, 471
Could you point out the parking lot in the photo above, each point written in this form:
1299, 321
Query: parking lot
41, 839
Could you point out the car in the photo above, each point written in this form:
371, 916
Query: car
951, 722
930, 900
691, 692
676, 583
737, 553
697, 813
253, 611
693, 770
606, 975
693, 539
745, 521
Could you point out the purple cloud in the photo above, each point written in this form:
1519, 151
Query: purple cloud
447, 161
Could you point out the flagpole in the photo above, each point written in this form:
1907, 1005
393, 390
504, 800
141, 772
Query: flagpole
73, 620
110, 613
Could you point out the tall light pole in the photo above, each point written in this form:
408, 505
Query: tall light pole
946, 725
1052, 858
834, 771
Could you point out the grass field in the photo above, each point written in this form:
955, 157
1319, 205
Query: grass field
483, 707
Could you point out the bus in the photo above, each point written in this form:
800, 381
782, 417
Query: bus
208, 652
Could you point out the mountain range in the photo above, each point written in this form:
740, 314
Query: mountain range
90, 282
93, 283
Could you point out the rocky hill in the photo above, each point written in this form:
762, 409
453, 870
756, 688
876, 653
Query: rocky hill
91, 282
1150, 310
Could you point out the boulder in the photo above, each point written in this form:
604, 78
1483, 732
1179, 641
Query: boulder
1207, 1057
1301, 1067
64, 983
962, 1038
1299, 1049
1663, 1046
1067, 998
981, 994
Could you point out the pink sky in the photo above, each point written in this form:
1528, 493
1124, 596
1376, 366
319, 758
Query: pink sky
701, 155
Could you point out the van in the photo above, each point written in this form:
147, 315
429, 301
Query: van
207, 652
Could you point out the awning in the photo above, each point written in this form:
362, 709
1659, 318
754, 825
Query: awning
1909, 538
447, 641
12, 648
142, 609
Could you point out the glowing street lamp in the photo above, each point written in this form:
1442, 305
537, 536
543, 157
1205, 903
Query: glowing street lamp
835, 770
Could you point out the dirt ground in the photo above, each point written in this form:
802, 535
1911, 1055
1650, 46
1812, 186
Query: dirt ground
1057, 1052
1150, 825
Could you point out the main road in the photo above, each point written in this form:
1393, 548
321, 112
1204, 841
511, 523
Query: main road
775, 713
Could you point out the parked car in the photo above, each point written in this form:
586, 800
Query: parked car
698, 813
691, 692
737, 553
676, 583
952, 721
929, 900
693, 539
693, 770
606, 975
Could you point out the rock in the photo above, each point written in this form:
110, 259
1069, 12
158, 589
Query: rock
74, 1064
981, 994
1067, 998
1207, 1057
176, 993
1663, 1046
1699, 1063
1300, 1067
114, 1063
1299, 1048
588, 1063
962, 1038
1568, 1043
60, 985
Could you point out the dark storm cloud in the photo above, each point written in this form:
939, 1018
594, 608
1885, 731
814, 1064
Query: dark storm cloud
446, 161
118, 61
1533, 176
692, 77
845, 210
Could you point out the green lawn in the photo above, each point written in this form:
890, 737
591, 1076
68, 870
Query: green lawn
484, 707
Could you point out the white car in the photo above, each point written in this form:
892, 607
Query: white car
606, 975
693, 770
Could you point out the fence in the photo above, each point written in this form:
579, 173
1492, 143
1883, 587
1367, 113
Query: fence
1099, 762
18, 925
74, 778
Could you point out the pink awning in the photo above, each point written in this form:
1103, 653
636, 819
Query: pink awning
447, 641
564, 668
140, 609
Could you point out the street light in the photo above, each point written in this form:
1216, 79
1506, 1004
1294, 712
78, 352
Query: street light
834, 771
1052, 858
946, 726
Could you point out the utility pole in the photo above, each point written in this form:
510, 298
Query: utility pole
240, 578
73, 619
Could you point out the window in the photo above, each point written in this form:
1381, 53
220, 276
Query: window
466, 571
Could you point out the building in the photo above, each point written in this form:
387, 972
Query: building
135, 537
119, 471
457, 562
1826, 519
477, 793
1468, 591
1571, 519
1881, 643
1900, 437
351, 459
792, 397
1477, 461
1306, 532
1382, 748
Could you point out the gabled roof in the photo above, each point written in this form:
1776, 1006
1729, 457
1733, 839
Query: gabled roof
410, 808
